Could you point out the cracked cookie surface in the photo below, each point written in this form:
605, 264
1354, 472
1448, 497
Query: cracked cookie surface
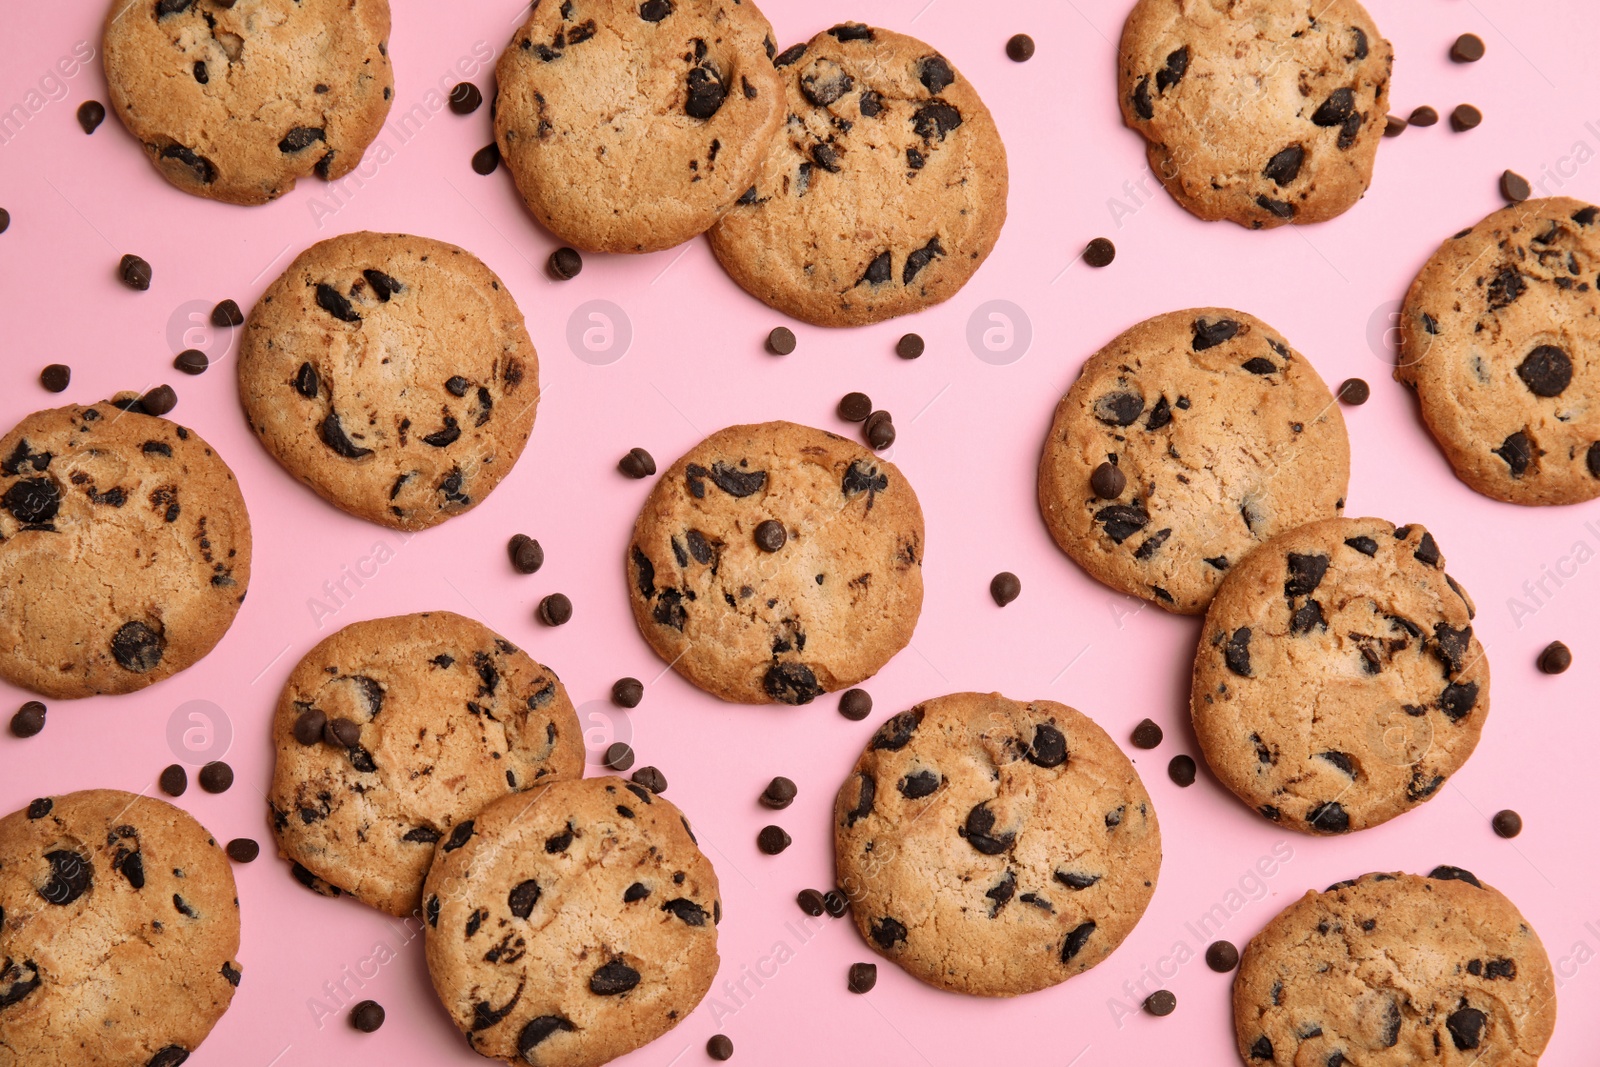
237, 101
1262, 112
1221, 436
1338, 681
393, 731
826, 609
1388, 970
572, 924
1500, 341
119, 923
882, 193
630, 127
124, 550
994, 847
392, 374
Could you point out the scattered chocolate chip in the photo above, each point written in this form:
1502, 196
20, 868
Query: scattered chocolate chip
1394, 126
909, 346
1465, 117
29, 719
627, 692
135, 272
310, 724
772, 840
1506, 823
243, 850
486, 160
216, 777
1181, 770
526, 554
1147, 734
174, 781
811, 902
159, 400
1555, 658
779, 794
1161, 1002
720, 1047
1108, 481
56, 377
91, 113
227, 313
1221, 956
855, 705
1467, 49
367, 1016
835, 903
5, 220
637, 463
619, 757
1424, 116
555, 610
191, 361
879, 430
863, 976
1020, 48
1099, 252
465, 98
1005, 587
650, 778
780, 342
770, 535
1514, 187
1355, 392
855, 407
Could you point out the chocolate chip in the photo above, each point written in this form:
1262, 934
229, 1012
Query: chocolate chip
1181, 770
627, 692
619, 756
935, 74
779, 794
1099, 252
855, 407
855, 704
1394, 126
655, 10
1338, 107
909, 346
159, 400
555, 609
367, 1016
309, 726
1161, 1003
978, 832
243, 850
91, 113
1355, 392
863, 976
135, 272
650, 778
1020, 48
29, 719
300, 138
1466, 1027
879, 430
1467, 49
486, 160
191, 361
1284, 167
1514, 187
1108, 481
135, 646
56, 377
216, 777
1147, 734
835, 903
1555, 658
1221, 956
637, 463
780, 342
811, 902
5, 220
70, 873
772, 840
1546, 371
1424, 116
526, 554
706, 93
465, 98
719, 1046
1005, 587
1210, 334
1329, 817
174, 781
770, 535
1465, 117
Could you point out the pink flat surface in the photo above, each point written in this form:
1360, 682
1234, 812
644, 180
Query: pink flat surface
969, 436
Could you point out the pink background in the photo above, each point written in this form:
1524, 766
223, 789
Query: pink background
969, 437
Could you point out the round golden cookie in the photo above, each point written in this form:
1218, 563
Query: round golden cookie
124, 550
1391, 970
1215, 436
392, 374
775, 562
993, 847
1501, 342
119, 923
1262, 112
236, 101
571, 924
629, 126
441, 715
1338, 681
883, 192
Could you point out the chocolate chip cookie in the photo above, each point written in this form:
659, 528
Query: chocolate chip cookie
630, 127
883, 192
238, 102
994, 847
1262, 112
392, 732
392, 374
776, 562
1338, 681
1499, 339
1184, 443
119, 923
124, 550
571, 924
1388, 970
